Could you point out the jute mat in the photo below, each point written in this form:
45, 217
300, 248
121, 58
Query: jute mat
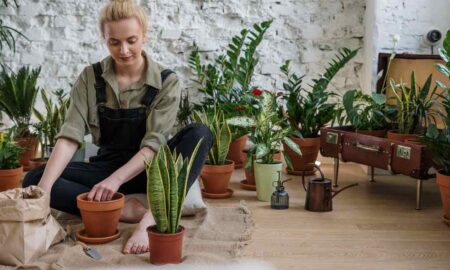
213, 236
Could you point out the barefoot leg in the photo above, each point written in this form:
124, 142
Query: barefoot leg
138, 242
133, 211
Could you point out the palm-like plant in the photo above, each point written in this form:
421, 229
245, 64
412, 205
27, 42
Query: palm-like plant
167, 176
310, 110
17, 97
7, 33
215, 121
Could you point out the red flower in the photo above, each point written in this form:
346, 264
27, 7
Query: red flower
239, 107
257, 92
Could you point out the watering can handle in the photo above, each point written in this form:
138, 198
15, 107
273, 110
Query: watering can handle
303, 175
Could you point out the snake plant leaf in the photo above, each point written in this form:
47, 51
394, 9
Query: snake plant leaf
164, 171
291, 144
156, 193
223, 141
173, 190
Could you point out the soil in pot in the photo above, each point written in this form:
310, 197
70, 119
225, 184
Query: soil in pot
10, 178
235, 151
444, 186
165, 248
310, 150
393, 135
215, 178
100, 218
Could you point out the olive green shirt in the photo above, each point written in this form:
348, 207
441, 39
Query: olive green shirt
82, 117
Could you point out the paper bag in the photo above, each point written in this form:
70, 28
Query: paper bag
27, 229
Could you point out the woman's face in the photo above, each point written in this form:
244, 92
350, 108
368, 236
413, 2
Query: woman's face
125, 40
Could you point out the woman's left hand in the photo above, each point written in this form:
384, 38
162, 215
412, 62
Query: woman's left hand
104, 190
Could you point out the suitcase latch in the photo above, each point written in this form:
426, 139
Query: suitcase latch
403, 152
332, 137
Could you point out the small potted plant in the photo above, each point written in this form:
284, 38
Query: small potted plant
216, 172
167, 176
17, 97
439, 140
413, 108
307, 111
366, 113
10, 168
267, 135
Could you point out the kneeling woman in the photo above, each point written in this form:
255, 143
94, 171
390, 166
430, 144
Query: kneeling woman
126, 101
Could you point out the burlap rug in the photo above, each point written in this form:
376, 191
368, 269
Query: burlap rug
213, 236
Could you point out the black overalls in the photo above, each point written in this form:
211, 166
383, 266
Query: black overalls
121, 133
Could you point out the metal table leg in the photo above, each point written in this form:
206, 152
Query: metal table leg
419, 194
336, 172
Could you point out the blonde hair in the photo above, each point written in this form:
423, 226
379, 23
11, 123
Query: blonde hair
122, 9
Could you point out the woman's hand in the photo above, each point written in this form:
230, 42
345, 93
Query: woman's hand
104, 190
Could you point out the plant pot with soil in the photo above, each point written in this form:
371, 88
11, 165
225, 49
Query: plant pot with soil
235, 151
166, 193
10, 169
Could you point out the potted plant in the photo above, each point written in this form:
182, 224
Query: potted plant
10, 168
413, 108
226, 82
366, 113
167, 176
216, 172
307, 111
439, 140
17, 97
267, 135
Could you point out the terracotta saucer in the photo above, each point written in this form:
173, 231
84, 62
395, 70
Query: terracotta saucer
246, 186
446, 220
307, 173
81, 235
217, 196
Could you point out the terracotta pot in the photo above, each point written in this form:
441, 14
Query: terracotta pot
29, 145
36, 162
235, 151
216, 177
375, 133
10, 178
393, 135
164, 247
310, 150
250, 173
100, 218
444, 186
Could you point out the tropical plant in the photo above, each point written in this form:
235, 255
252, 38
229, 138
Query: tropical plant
9, 153
414, 105
185, 109
309, 110
215, 121
7, 33
268, 133
167, 176
50, 123
226, 82
365, 112
17, 97
439, 140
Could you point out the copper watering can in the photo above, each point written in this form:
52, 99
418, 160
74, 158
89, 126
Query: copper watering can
319, 193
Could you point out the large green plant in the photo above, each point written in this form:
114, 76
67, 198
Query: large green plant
414, 105
9, 152
439, 140
8, 34
365, 112
215, 121
17, 97
226, 82
167, 176
267, 133
310, 110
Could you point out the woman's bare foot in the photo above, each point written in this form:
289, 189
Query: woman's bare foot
133, 211
138, 242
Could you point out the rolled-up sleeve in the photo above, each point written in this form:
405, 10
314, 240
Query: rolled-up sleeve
75, 123
163, 116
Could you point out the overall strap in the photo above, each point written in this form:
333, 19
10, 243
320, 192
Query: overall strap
100, 84
152, 92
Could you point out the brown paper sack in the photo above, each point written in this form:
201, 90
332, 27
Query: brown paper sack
27, 229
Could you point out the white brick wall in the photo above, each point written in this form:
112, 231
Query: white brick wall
64, 35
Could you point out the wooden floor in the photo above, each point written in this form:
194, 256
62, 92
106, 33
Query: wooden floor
372, 226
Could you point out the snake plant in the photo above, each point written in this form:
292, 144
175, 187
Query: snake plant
215, 121
167, 176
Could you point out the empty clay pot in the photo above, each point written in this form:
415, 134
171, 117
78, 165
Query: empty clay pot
100, 218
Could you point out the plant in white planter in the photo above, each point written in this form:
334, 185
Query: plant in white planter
267, 135
167, 176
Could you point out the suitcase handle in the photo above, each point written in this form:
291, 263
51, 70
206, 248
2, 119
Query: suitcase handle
371, 148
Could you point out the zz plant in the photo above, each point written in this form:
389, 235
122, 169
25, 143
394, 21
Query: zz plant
215, 121
167, 176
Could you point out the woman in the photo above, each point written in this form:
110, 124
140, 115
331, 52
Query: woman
126, 102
